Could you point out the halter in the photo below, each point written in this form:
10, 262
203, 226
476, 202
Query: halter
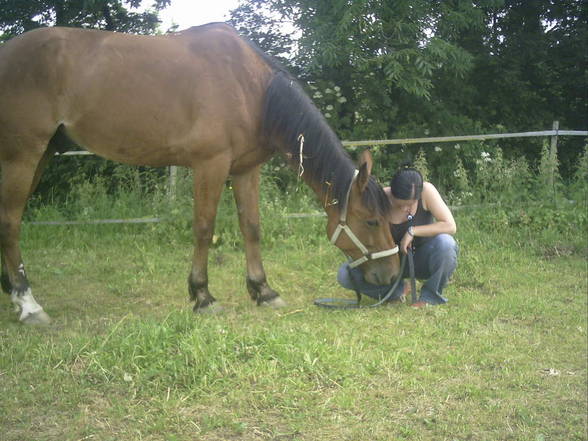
343, 227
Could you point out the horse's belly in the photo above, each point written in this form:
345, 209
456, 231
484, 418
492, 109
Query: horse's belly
148, 141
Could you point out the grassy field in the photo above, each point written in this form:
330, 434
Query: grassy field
126, 359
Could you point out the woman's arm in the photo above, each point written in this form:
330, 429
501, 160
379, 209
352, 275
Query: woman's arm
433, 202
444, 222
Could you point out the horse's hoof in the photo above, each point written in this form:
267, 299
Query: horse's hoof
39, 318
276, 302
211, 308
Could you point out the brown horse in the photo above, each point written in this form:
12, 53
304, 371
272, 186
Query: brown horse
204, 98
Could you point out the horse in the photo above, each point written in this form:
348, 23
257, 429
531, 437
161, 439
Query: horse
203, 98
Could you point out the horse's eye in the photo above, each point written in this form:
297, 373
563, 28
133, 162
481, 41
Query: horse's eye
372, 223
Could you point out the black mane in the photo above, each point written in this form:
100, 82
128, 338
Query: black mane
289, 113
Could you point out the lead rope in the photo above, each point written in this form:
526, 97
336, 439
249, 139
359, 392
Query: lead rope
413, 293
335, 303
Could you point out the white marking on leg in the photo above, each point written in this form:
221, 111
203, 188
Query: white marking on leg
26, 303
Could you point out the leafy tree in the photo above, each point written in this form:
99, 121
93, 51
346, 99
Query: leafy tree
380, 53
18, 16
254, 20
440, 67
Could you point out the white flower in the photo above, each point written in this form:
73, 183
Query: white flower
486, 157
438, 149
330, 107
370, 120
328, 91
337, 88
456, 146
342, 100
317, 95
327, 115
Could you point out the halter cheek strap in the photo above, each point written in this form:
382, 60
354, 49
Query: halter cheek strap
343, 227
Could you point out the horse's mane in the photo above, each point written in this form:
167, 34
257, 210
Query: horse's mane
289, 113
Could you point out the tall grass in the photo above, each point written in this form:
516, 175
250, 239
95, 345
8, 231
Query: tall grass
505, 192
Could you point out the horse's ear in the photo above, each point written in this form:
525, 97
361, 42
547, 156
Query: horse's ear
365, 169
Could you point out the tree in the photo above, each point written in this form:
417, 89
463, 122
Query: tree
443, 67
254, 20
18, 16
377, 53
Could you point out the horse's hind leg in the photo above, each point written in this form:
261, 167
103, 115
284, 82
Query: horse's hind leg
246, 192
19, 179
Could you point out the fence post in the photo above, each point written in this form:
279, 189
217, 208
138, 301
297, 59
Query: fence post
553, 158
171, 189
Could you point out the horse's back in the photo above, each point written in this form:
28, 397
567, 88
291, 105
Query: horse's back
31, 58
113, 90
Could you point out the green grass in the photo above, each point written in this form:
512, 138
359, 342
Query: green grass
126, 359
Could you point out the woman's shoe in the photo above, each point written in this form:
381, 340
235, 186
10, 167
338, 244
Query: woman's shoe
420, 304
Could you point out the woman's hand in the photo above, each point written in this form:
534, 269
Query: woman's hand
406, 242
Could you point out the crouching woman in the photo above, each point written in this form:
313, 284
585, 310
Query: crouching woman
430, 233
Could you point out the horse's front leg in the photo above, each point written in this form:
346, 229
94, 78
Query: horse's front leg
209, 180
246, 192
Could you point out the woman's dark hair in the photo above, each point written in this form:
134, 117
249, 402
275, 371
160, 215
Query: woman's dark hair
407, 183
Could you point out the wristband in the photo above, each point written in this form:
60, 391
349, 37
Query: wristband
411, 230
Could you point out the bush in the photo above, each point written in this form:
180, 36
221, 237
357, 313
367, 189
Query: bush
579, 185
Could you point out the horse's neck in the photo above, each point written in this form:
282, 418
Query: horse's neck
325, 191
322, 193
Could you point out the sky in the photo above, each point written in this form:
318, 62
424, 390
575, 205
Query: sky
186, 13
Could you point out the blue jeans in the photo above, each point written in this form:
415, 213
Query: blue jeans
434, 261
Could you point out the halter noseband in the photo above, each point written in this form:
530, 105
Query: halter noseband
342, 226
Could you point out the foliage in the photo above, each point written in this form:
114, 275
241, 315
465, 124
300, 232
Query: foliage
411, 69
548, 172
252, 19
17, 17
579, 186
61, 181
420, 163
384, 69
374, 52
500, 192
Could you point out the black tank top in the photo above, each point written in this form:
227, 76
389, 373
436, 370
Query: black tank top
421, 217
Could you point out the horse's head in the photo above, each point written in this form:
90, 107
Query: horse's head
361, 227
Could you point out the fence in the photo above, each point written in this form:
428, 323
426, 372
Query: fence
553, 134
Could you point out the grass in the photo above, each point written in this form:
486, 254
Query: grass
126, 359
